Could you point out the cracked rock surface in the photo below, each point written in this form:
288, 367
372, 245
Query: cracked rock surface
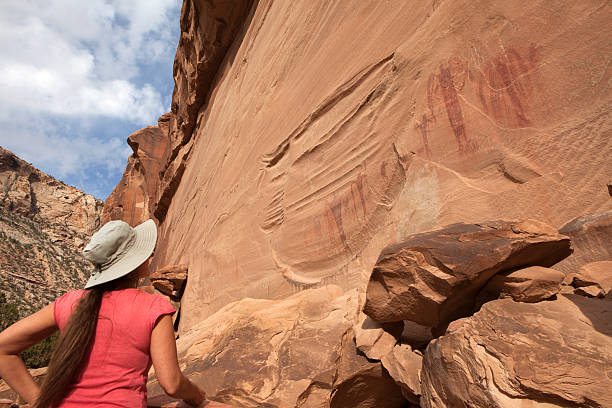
546, 354
296, 352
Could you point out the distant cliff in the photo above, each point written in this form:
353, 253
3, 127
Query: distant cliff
43, 226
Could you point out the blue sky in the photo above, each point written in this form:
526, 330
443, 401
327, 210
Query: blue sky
78, 77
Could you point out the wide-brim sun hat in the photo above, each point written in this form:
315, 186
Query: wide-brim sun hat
117, 249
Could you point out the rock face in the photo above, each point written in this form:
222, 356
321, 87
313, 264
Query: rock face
65, 213
373, 339
300, 144
322, 143
208, 29
132, 200
531, 284
546, 354
591, 236
297, 352
593, 279
404, 366
432, 278
170, 280
44, 224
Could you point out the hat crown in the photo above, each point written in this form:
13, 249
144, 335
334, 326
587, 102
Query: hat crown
109, 242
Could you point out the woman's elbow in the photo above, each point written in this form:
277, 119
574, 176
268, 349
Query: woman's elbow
172, 386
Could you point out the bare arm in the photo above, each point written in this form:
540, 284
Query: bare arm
15, 339
165, 362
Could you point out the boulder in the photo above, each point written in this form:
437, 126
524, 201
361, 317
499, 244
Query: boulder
404, 366
167, 402
591, 236
593, 279
170, 280
361, 383
531, 284
295, 352
416, 335
433, 278
545, 354
375, 339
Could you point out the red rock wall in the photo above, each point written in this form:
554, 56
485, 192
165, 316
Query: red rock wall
133, 199
333, 129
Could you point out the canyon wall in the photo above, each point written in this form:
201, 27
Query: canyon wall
44, 224
305, 136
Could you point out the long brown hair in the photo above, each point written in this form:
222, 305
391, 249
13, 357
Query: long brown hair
67, 360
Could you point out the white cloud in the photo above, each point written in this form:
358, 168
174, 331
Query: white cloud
68, 62
81, 58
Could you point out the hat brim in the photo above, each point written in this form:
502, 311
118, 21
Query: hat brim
144, 244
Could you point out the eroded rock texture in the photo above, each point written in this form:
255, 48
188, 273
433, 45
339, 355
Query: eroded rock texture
593, 279
547, 354
432, 278
531, 284
297, 352
591, 236
65, 213
320, 142
133, 198
306, 136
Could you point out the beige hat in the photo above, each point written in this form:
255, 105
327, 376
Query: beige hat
117, 249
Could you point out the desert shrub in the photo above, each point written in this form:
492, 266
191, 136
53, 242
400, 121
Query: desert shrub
9, 313
37, 355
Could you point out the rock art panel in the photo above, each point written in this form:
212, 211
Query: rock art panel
309, 144
327, 186
555, 353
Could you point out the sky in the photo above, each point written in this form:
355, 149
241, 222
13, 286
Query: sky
78, 77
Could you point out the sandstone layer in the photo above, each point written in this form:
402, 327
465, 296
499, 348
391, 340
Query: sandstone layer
296, 352
531, 284
305, 137
319, 142
546, 354
591, 236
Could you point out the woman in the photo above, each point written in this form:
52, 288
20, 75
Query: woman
110, 333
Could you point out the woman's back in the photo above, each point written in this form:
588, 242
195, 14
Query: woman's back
116, 368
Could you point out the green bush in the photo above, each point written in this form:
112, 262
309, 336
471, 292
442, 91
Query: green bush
39, 354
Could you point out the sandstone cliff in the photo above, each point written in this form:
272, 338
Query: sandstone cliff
43, 226
306, 137
330, 130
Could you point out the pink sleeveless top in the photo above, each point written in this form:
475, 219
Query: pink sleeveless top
116, 369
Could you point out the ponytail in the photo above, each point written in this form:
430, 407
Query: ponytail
75, 342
